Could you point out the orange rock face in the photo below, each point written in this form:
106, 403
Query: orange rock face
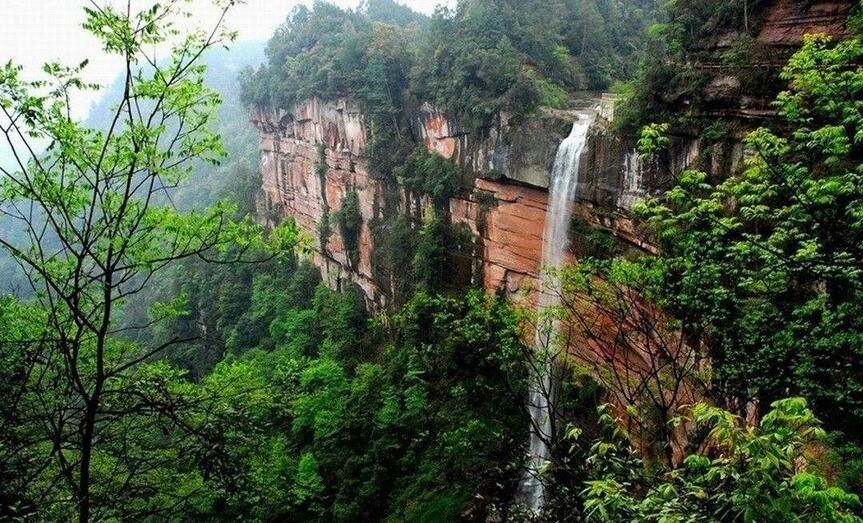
512, 237
788, 20
510, 230
438, 137
291, 186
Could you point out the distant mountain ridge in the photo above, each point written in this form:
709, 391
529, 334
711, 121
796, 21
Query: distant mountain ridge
207, 183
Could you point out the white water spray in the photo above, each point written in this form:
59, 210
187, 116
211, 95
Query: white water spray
562, 190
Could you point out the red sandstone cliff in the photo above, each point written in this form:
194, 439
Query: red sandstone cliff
510, 235
788, 21
503, 203
504, 200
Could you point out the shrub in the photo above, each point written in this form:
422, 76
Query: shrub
742, 474
350, 222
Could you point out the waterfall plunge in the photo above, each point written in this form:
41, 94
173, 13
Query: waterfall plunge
562, 189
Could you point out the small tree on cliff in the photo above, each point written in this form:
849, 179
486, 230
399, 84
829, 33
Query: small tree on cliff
96, 236
652, 142
637, 352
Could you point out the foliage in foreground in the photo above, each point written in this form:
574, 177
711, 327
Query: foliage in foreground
755, 294
737, 473
764, 268
94, 228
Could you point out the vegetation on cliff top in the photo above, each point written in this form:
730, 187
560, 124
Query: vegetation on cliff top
475, 61
705, 64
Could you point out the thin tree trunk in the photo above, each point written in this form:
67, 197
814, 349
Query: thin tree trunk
92, 404
86, 458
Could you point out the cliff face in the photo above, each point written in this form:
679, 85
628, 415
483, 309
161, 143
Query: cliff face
293, 147
312, 157
507, 224
788, 20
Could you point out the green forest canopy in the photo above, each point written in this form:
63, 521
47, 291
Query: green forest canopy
290, 401
474, 60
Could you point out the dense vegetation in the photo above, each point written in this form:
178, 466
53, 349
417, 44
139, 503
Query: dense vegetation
755, 477
476, 60
173, 361
764, 267
319, 414
161, 409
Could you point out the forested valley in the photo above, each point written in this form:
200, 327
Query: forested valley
500, 261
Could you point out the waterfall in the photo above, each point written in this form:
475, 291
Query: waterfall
562, 190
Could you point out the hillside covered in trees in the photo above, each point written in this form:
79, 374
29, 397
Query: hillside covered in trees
476, 60
173, 350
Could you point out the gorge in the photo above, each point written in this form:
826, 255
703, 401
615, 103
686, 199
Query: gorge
501, 261
517, 177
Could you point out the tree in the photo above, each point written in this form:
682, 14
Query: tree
96, 236
738, 473
764, 267
652, 142
635, 350
429, 263
24, 338
350, 221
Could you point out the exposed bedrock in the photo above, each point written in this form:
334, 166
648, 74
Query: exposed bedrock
504, 196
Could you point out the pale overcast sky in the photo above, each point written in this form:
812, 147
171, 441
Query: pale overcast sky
36, 31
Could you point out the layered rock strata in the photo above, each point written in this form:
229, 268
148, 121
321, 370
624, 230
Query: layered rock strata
312, 156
